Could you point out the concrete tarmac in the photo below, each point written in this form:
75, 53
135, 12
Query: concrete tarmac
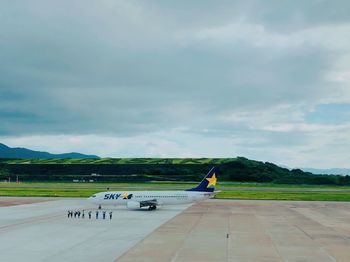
39, 230
244, 230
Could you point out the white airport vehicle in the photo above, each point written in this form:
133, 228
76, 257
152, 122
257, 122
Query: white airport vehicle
152, 199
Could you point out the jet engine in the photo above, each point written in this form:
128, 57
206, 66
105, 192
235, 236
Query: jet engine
133, 205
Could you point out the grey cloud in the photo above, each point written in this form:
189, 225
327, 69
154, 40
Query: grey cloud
121, 67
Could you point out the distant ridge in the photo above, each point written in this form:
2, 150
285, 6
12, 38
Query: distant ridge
329, 171
24, 153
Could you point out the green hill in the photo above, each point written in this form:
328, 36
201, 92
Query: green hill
237, 169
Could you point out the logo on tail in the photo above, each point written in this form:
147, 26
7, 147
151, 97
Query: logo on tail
208, 183
212, 180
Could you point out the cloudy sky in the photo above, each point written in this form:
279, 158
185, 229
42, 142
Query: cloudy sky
268, 80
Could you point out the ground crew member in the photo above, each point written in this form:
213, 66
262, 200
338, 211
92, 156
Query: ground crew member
104, 214
78, 214
89, 214
96, 214
68, 213
75, 214
110, 215
83, 214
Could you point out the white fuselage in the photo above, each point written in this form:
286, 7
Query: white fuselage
161, 197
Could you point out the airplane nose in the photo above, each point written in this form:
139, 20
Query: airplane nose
92, 199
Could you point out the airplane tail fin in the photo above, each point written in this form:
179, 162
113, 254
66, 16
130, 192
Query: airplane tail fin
208, 183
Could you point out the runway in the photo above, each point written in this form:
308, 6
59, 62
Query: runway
244, 230
37, 229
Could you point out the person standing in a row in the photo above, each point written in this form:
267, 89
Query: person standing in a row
77, 214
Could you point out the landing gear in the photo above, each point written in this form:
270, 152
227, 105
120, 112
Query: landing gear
99, 207
153, 207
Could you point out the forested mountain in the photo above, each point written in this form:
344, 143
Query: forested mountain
24, 153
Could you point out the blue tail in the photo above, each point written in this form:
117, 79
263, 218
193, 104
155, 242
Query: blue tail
208, 183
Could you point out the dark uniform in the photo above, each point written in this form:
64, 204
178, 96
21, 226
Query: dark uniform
96, 214
110, 215
89, 214
104, 214
83, 215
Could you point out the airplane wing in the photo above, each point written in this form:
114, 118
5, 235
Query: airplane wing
147, 203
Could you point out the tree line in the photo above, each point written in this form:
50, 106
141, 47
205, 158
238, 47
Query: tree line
238, 169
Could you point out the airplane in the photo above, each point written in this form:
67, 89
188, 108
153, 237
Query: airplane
153, 199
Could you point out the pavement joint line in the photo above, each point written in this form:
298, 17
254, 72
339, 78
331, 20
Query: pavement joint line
341, 233
322, 245
271, 239
125, 253
4, 203
228, 240
304, 232
312, 238
30, 221
78, 244
42, 218
176, 254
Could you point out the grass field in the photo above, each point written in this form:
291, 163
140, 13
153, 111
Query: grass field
230, 190
166, 184
48, 192
282, 195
